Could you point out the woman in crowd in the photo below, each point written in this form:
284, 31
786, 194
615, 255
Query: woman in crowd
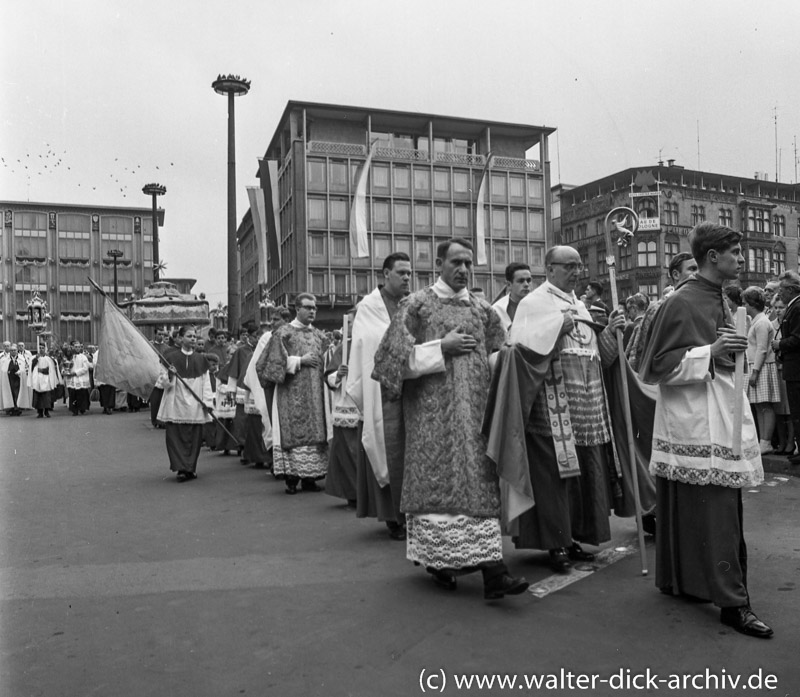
762, 389
180, 411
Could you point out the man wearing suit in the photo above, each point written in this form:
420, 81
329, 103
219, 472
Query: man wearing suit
788, 347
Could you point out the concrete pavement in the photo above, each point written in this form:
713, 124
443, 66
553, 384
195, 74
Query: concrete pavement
115, 580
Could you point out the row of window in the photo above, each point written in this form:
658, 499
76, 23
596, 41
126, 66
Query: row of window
765, 260
419, 250
76, 328
399, 179
756, 220
361, 283
29, 244
402, 216
78, 222
76, 274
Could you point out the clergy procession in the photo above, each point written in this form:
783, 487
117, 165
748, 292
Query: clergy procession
456, 423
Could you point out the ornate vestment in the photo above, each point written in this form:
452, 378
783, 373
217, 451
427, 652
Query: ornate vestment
300, 436
446, 467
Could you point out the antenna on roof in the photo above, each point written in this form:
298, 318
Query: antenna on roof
698, 144
775, 109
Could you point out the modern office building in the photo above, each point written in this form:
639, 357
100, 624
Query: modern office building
423, 188
670, 201
51, 249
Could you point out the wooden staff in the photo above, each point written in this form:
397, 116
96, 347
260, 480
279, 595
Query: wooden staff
738, 383
166, 363
612, 277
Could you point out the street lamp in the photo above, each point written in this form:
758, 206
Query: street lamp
154, 190
233, 86
115, 254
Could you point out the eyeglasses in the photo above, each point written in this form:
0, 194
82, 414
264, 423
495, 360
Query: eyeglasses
572, 266
309, 307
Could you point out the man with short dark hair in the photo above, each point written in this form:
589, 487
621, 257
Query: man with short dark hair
294, 363
701, 550
788, 347
435, 358
594, 302
519, 282
379, 472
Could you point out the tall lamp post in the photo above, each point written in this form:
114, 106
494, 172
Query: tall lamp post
233, 86
115, 254
154, 190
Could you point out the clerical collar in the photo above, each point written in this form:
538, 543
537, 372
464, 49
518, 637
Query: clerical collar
446, 292
297, 324
562, 294
185, 352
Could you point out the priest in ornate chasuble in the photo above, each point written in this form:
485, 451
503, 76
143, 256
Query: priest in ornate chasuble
293, 361
435, 355
690, 354
574, 472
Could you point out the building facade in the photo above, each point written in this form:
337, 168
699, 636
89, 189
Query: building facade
423, 188
51, 249
670, 200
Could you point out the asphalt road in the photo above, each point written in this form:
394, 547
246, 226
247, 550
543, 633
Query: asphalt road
117, 581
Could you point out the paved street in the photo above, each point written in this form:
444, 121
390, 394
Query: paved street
117, 581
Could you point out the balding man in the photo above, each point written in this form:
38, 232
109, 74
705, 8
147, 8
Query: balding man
574, 475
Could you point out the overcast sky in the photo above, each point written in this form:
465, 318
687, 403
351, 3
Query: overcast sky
113, 94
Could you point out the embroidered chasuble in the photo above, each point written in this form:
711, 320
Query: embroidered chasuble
300, 397
446, 467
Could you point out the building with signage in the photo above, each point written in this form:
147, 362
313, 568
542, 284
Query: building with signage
423, 187
670, 200
51, 248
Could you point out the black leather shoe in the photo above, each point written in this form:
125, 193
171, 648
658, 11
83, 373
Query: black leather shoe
649, 524
291, 489
443, 578
309, 485
396, 531
501, 586
559, 560
577, 553
743, 620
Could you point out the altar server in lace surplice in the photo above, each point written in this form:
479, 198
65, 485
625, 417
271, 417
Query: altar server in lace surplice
700, 475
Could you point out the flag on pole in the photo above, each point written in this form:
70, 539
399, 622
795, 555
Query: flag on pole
480, 216
258, 212
125, 358
268, 174
359, 244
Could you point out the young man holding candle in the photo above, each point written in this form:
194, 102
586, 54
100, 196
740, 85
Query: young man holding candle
700, 472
